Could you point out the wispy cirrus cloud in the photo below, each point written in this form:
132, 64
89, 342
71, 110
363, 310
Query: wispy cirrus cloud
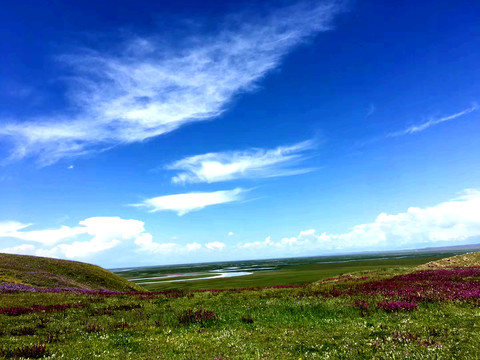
425, 125
150, 87
451, 221
185, 203
253, 163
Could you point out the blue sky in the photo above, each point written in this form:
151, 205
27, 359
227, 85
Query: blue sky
156, 133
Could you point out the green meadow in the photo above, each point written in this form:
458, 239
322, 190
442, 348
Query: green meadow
301, 310
282, 271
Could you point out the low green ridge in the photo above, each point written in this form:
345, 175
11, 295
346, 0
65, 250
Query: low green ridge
470, 259
373, 314
49, 273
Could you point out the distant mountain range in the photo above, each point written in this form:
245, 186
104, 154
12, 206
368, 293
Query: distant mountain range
466, 247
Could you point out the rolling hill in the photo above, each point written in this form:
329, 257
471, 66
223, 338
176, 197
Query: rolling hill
51, 273
470, 259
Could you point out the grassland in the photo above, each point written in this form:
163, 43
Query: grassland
284, 271
51, 273
461, 260
380, 310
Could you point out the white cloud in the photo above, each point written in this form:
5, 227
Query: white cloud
24, 249
254, 163
105, 233
257, 244
147, 244
451, 221
150, 87
184, 203
297, 243
113, 227
420, 127
83, 249
194, 246
11, 229
215, 245
231, 233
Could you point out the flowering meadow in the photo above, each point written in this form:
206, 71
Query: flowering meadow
421, 314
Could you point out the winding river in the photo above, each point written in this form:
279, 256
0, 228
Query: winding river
216, 275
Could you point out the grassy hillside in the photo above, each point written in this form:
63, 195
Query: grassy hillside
428, 314
47, 272
472, 259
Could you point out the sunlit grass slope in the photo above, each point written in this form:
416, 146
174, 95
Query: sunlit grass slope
471, 259
47, 272
376, 312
